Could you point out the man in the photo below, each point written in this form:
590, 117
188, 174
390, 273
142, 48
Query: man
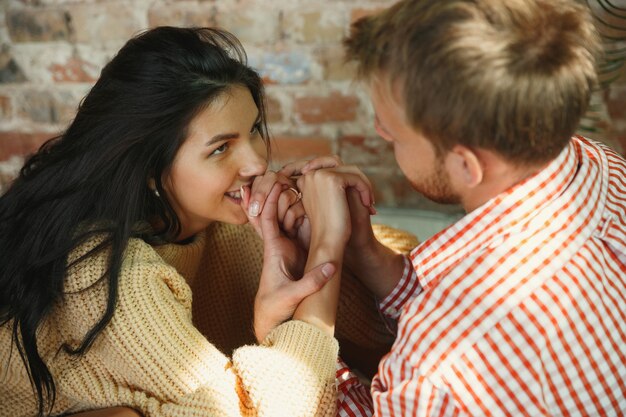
520, 307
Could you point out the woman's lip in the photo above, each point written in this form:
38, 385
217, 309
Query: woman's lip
234, 199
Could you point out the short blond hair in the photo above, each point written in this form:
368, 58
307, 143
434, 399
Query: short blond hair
513, 76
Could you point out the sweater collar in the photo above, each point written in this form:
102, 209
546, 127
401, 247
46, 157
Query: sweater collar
186, 257
568, 177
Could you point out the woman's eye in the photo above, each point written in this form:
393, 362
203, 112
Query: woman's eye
220, 150
256, 128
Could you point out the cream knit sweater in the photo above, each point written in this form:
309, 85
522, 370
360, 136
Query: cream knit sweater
154, 358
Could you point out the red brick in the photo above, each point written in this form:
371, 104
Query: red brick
45, 106
6, 109
9, 171
31, 25
274, 110
335, 107
179, 15
366, 152
291, 148
21, 144
253, 24
74, 70
10, 71
314, 27
102, 22
332, 59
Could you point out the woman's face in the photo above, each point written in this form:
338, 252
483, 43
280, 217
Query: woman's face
223, 151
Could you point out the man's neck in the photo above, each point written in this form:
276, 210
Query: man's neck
499, 176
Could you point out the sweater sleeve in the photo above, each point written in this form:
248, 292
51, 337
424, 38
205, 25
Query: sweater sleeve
151, 357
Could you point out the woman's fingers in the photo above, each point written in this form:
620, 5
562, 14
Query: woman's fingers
269, 223
261, 187
245, 201
289, 197
293, 219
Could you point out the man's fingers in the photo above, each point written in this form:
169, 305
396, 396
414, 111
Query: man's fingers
328, 161
293, 169
302, 167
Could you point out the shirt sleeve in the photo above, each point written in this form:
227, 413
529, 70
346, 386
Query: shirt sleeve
407, 288
353, 398
408, 393
151, 357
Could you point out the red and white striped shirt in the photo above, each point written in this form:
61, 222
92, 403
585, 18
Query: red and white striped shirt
520, 307
353, 398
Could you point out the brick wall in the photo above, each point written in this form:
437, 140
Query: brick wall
52, 50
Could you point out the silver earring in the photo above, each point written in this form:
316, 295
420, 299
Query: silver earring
156, 193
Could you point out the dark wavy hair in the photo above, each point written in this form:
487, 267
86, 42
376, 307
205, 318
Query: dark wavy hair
93, 179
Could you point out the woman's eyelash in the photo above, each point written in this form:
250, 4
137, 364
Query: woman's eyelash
256, 128
221, 149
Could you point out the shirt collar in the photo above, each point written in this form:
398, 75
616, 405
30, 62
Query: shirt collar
509, 210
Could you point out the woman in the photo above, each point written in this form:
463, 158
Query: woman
109, 227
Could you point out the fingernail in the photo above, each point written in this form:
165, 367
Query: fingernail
253, 210
328, 270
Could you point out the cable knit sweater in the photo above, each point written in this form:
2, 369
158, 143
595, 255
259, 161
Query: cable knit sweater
153, 357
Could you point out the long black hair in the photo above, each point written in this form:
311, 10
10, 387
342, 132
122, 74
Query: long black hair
94, 177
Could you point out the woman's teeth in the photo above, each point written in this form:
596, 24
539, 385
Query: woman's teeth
234, 194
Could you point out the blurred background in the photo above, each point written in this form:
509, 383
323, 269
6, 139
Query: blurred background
52, 52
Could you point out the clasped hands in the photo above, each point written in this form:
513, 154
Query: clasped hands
304, 236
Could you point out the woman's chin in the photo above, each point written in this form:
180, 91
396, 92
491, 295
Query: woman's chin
238, 218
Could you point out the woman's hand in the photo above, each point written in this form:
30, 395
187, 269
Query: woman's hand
298, 168
291, 215
361, 236
280, 291
290, 211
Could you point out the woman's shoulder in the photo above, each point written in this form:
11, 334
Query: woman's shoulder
89, 261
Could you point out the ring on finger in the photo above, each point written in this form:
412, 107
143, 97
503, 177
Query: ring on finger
297, 193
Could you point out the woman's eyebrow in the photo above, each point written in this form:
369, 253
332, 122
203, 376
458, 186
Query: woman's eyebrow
220, 137
226, 136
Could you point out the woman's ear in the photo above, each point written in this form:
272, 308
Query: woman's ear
153, 188
464, 166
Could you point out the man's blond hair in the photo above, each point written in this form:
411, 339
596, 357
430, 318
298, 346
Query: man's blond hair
513, 76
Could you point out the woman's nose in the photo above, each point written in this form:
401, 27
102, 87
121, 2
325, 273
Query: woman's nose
254, 164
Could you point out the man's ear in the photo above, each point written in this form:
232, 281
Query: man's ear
464, 166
